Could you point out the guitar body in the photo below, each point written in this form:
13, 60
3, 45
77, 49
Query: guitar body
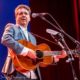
24, 63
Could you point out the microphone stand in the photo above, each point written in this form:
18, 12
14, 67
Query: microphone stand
70, 56
63, 32
71, 38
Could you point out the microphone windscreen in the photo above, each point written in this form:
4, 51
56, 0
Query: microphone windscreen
50, 31
34, 15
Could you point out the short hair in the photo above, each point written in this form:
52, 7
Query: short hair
22, 6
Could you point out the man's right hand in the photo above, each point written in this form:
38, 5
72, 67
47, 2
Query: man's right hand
31, 54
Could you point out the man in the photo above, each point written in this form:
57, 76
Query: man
11, 35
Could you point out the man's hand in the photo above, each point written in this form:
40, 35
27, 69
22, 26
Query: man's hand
31, 54
63, 54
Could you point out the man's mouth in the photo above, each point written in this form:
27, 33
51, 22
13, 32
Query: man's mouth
23, 19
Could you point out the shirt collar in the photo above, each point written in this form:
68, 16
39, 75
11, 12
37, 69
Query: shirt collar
24, 29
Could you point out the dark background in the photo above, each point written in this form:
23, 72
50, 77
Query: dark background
61, 11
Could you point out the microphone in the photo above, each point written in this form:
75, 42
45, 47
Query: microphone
54, 32
34, 15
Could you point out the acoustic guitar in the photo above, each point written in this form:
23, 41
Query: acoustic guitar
24, 63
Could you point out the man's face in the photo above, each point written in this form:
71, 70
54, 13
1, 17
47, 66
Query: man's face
22, 17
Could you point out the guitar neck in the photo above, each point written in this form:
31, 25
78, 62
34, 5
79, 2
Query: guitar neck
52, 53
